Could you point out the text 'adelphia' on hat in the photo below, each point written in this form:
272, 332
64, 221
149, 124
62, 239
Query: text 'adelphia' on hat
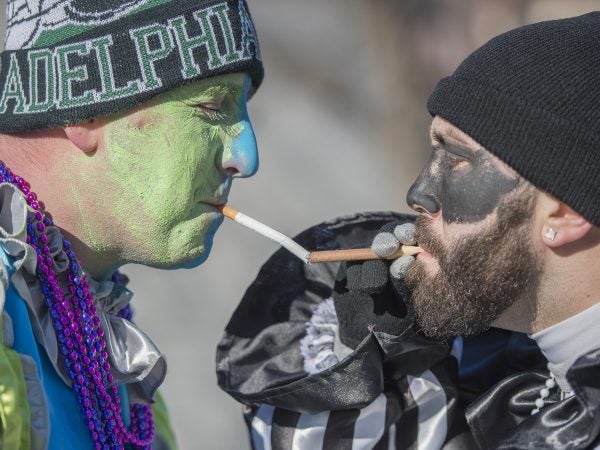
66, 61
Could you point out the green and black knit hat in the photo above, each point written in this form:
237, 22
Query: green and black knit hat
532, 97
66, 61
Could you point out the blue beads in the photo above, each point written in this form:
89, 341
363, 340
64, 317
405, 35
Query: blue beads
74, 267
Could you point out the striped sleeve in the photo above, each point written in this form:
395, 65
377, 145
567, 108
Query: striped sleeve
412, 416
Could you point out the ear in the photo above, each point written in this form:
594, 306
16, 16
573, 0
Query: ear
564, 226
83, 135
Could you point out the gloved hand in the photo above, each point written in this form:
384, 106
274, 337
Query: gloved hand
387, 242
371, 294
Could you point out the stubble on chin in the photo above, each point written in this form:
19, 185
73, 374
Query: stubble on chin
479, 276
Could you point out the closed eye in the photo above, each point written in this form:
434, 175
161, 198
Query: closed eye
212, 111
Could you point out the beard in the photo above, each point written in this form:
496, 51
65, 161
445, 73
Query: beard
479, 277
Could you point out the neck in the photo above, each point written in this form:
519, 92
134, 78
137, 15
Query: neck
569, 285
39, 157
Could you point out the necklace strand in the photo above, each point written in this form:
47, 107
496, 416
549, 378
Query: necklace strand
544, 393
81, 338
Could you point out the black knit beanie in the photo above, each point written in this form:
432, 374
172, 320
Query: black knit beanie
532, 97
70, 60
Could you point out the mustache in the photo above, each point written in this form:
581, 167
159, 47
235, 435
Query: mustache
426, 239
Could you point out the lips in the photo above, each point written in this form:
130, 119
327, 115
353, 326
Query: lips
216, 203
219, 193
424, 253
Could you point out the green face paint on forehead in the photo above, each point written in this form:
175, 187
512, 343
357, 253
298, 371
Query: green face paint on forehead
166, 164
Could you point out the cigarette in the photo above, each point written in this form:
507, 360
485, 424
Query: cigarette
266, 231
355, 254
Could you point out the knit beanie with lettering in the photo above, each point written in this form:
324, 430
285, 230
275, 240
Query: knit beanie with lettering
532, 97
66, 61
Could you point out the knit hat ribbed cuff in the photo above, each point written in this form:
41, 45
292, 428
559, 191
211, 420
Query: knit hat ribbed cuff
543, 148
118, 61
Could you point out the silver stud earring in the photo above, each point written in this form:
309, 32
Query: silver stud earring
550, 234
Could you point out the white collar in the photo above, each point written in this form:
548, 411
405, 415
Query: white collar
563, 343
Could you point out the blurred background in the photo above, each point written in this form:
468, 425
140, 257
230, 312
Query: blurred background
342, 127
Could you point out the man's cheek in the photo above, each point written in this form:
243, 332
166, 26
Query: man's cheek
472, 197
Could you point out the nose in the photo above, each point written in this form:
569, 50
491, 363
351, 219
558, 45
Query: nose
422, 195
242, 160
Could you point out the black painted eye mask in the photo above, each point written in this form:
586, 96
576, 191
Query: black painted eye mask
467, 186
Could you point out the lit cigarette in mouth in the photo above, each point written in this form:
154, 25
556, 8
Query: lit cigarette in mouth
266, 231
355, 254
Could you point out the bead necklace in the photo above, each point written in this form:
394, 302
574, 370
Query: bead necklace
80, 338
545, 393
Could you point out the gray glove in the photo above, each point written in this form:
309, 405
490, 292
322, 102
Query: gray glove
388, 241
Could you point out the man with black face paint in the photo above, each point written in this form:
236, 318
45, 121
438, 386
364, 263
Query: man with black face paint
508, 280
474, 228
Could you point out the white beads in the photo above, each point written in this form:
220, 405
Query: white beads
544, 394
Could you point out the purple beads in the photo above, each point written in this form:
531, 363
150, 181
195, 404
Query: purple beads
81, 339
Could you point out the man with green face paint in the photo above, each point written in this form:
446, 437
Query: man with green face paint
129, 120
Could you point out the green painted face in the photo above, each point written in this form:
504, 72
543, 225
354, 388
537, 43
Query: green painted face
164, 166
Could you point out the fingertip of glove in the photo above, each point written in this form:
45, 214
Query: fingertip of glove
385, 244
400, 266
405, 233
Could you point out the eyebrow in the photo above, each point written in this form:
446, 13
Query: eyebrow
441, 139
218, 89
437, 137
